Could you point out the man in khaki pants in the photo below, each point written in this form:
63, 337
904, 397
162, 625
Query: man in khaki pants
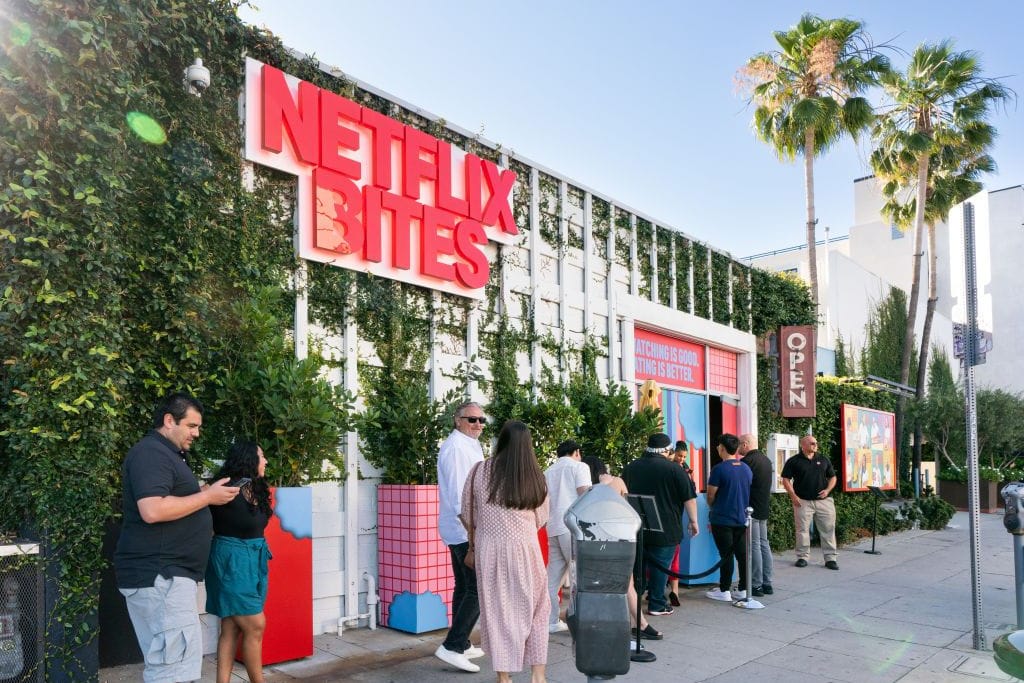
809, 479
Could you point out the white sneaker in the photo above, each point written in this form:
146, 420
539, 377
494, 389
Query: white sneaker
724, 596
558, 627
473, 652
739, 595
456, 659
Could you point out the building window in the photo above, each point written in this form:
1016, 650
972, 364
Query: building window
897, 234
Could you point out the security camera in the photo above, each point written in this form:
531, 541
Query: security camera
197, 78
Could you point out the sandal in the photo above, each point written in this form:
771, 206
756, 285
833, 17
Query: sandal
649, 633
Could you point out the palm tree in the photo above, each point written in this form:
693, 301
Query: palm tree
808, 94
932, 141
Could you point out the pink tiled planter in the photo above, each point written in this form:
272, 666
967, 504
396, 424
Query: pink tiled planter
411, 556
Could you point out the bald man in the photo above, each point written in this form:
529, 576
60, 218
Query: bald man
809, 478
761, 501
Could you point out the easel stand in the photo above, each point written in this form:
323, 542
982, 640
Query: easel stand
877, 493
649, 521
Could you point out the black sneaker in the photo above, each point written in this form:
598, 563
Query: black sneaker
767, 588
673, 599
832, 564
757, 592
649, 633
801, 562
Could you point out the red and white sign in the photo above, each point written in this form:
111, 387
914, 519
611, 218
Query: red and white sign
374, 194
668, 360
797, 369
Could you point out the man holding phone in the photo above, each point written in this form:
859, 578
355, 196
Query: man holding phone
165, 541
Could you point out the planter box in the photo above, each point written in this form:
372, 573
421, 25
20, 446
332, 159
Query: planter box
955, 493
289, 607
414, 565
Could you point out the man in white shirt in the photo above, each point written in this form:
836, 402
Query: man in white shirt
567, 480
458, 454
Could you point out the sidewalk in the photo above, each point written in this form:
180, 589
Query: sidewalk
905, 615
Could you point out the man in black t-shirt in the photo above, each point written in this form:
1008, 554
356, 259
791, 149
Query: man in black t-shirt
653, 474
809, 479
760, 499
165, 541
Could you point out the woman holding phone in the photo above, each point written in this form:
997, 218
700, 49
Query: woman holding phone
236, 575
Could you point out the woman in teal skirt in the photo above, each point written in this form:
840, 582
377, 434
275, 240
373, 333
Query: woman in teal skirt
236, 575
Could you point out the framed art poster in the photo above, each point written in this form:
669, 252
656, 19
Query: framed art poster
869, 448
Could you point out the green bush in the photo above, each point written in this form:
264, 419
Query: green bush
929, 511
287, 405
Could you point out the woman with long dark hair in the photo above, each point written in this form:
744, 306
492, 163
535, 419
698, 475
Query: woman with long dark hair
506, 498
236, 575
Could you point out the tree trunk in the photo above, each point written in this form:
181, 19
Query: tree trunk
915, 293
812, 251
926, 334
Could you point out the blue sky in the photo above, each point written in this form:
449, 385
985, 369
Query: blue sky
636, 99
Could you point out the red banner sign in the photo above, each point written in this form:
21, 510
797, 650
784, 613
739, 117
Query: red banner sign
797, 369
667, 360
374, 194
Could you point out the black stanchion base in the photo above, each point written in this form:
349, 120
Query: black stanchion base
642, 656
872, 552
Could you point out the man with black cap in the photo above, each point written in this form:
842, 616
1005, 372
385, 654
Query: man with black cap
567, 480
653, 474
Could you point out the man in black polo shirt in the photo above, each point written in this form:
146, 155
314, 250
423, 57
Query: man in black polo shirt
809, 479
165, 542
760, 499
653, 474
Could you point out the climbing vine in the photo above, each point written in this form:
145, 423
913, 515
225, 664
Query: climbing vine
600, 226
664, 253
644, 235
701, 287
720, 279
684, 262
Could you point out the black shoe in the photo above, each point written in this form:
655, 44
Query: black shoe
832, 564
673, 599
767, 588
757, 592
801, 562
649, 633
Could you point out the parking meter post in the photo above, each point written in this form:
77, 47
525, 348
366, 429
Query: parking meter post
1008, 649
1013, 521
603, 527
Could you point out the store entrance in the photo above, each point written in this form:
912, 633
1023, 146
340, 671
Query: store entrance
722, 419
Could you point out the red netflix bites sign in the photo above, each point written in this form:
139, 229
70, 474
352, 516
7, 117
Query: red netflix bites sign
374, 194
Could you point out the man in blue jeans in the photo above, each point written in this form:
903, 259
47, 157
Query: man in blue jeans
654, 474
459, 453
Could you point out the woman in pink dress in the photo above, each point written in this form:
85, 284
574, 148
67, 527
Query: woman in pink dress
509, 502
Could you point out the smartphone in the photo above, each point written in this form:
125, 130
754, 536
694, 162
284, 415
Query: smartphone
244, 481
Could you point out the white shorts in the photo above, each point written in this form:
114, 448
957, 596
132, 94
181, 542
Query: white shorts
166, 622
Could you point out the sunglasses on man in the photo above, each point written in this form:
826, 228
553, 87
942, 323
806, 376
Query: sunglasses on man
472, 419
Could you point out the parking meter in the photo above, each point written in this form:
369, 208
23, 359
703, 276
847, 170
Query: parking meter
603, 528
1013, 516
1009, 647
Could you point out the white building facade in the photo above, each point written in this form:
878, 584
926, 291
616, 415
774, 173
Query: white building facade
856, 270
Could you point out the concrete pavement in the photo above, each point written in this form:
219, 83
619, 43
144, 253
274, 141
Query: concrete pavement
905, 615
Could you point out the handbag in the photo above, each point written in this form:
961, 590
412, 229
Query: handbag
470, 559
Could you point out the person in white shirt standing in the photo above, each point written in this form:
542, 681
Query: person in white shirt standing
458, 454
567, 480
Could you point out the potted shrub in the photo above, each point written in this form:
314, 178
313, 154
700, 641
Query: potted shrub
299, 419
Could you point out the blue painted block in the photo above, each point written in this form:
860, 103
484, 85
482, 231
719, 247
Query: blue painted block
698, 554
417, 613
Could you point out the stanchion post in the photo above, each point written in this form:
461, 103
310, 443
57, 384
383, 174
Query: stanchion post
877, 493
